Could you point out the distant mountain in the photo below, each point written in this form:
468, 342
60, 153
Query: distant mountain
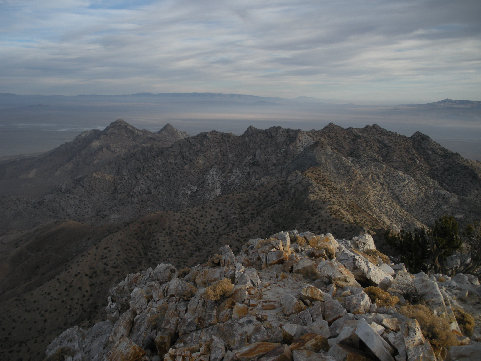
123, 199
457, 103
34, 123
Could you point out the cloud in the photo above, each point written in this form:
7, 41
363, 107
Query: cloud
275, 47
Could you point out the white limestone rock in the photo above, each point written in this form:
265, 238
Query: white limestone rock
417, 347
357, 303
363, 243
374, 342
333, 272
362, 269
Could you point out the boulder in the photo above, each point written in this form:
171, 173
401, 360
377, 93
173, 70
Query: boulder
217, 349
312, 294
465, 352
310, 341
123, 326
362, 269
333, 310
285, 239
164, 272
276, 257
247, 276
139, 299
179, 288
227, 257
417, 347
326, 243
306, 267
291, 304
333, 272
363, 243
280, 353
357, 303
376, 344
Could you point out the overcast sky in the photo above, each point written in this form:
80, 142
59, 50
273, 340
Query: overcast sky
371, 51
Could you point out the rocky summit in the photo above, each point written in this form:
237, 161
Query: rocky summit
292, 296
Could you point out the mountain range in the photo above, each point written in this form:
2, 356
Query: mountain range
76, 219
36, 123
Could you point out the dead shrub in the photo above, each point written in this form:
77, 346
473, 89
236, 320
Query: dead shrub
219, 289
374, 256
465, 321
381, 297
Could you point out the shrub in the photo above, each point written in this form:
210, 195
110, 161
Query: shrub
435, 329
219, 289
465, 321
381, 297
427, 249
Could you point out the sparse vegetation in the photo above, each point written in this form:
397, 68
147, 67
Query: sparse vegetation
380, 297
465, 321
435, 329
219, 289
427, 249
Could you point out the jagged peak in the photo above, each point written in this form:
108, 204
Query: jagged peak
169, 130
251, 130
420, 136
332, 126
119, 124
373, 127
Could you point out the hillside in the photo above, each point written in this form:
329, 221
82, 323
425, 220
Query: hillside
75, 220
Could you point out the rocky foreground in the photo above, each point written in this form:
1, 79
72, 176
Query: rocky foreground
294, 296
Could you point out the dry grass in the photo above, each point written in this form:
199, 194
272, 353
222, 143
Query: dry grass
436, 329
465, 321
219, 289
374, 256
381, 297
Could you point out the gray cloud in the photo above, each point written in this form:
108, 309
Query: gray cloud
351, 50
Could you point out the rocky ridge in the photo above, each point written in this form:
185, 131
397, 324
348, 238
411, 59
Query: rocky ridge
292, 296
367, 176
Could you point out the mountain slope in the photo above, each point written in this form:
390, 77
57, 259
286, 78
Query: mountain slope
132, 173
123, 199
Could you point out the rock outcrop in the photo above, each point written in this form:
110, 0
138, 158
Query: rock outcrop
293, 296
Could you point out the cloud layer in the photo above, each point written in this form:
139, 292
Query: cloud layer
372, 51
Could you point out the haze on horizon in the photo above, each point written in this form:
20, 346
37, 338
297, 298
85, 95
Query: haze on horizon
375, 52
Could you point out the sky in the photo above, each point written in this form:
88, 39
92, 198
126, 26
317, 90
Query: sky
371, 51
